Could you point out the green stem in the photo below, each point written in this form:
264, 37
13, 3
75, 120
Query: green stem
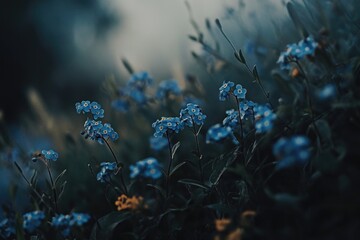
117, 162
169, 167
198, 150
308, 97
32, 188
53, 187
241, 125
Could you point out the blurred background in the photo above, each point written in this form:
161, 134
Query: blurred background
55, 53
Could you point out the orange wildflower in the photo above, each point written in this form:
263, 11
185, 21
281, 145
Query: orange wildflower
221, 224
124, 202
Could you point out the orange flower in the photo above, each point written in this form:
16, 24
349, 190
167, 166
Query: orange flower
124, 202
295, 72
221, 224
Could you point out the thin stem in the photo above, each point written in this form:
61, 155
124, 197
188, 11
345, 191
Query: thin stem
32, 188
117, 162
241, 126
198, 150
53, 187
112, 152
170, 163
308, 97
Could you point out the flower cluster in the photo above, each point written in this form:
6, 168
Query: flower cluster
158, 143
264, 118
192, 114
147, 168
293, 151
93, 107
99, 132
32, 220
295, 52
7, 228
124, 202
107, 168
218, 133
50, 155
224, 93
65, 223
167, 88
96, 130
227, 89
167, 125
232, 119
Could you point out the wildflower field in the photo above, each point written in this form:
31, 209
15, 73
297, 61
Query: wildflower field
258, 140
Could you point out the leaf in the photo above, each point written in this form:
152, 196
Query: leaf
193, 38
174, 149
218, 24
242, 58
176, 168
62, 188
208, 24
104, 227
157, 187
33, 178
127, 66
255, 73
59, 176
193, 183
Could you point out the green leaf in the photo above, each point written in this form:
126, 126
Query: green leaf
157, 187
174, 149
33, 178
242, 58
104, 227
193, 38
127, 66
176, 168
218, 24
60, 176
193, 183
255, 73
62, 188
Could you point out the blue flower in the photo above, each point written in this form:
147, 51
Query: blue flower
264, 118
97, 131
292, 151
218, 133
140, 80
138, 96
7, 228
167, 125
32, 220
106, 170
158, 143
166, 88
224, 90
93, 107
232, 119
192, 114
147, 168
50, 155
295, 52
328, 92
62, 222
79, 219
240, 92
83, 107
120, 105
